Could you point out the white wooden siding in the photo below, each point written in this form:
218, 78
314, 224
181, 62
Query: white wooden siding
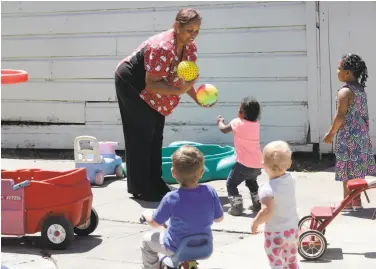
211, 41
71, 49
186, 114
255, 65
61, 136
237, 15
284, 91
344, 29
43, 111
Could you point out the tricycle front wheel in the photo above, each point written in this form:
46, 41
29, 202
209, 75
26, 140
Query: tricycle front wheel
57, 233
312, 245
89, 226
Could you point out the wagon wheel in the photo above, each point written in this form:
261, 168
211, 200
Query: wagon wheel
119, 172
312, 245
163, 266
89, 226
305, 222
188, 265
57, 233
99, 178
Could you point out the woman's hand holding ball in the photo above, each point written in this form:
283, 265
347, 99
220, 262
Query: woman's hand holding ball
206, 95
185, 86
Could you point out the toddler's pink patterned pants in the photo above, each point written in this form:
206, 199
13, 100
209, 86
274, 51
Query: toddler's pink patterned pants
282, 248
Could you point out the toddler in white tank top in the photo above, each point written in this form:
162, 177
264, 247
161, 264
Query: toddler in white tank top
279, 211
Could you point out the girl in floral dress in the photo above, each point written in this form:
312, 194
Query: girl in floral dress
353, 147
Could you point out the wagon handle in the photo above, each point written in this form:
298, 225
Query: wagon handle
20, 185
143, 220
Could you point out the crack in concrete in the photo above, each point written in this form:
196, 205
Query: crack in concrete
48, 256
213, 229
107, 260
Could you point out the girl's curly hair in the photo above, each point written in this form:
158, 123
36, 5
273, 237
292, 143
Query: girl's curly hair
357, 66
250, 108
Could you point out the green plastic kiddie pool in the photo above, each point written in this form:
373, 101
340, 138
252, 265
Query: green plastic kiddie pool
219, 161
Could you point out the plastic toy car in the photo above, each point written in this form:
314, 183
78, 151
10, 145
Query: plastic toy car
99, 159
57, 204
219, 161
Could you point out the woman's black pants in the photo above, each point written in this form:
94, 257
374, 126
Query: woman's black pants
143, 136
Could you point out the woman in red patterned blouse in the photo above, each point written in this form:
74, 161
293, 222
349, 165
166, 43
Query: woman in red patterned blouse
148, 90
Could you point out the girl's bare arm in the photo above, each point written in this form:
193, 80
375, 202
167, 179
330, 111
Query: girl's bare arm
344, 97
266, 212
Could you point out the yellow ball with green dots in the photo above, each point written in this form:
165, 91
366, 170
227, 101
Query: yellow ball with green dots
187, 70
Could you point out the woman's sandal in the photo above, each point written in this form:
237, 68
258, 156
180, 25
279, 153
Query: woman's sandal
357, 204
348, 208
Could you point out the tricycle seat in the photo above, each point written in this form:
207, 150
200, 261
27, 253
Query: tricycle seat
322, 212
361, 183
193, 247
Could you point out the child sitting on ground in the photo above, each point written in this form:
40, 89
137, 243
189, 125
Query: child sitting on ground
278, 210
191, 209
246, 130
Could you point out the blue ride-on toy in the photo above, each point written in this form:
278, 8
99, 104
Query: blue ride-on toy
99, 158
191, 249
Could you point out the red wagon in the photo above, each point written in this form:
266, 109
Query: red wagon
57, 204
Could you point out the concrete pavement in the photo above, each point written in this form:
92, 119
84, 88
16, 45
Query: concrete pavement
115, 244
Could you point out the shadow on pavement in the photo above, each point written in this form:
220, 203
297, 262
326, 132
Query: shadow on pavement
224, 200
368, 255
152, 205
146, 204
364, 213
333, 254
108, 180
33, 245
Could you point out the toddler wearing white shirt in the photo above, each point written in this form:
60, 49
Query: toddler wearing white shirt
279, 211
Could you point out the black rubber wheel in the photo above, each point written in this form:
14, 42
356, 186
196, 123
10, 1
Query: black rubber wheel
162, 266
313, 248
188, 265
57, 233
306, 219
90, 226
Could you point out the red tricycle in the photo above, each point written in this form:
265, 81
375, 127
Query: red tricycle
312, 242
57, 204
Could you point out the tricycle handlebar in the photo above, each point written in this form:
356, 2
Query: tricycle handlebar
143, 220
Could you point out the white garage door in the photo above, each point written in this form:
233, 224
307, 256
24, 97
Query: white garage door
70, 50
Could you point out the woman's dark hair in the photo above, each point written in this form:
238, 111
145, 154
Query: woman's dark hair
187, 15
357, 66
250, 108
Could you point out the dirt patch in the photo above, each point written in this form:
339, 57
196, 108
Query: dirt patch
310, 162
